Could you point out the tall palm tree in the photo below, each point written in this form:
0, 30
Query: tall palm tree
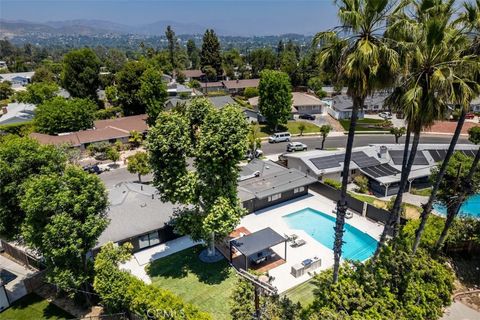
431, 49
462, 90
362, 61
465, 189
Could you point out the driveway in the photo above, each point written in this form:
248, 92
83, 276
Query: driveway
459, 311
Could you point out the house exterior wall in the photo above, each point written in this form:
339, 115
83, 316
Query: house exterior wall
314, 109
258, 204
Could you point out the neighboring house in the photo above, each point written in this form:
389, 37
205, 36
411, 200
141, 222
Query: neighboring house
381, 164
17, 113
238, 86
18, 79
193, 75
475, 105
302, 103
221, 101
176, 90
213, 87
330, 91
264, 183
341, 108
110, 130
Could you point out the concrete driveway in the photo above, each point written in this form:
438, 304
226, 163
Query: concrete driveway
459, 311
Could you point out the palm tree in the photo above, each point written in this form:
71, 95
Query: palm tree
463, 190
324, 132
364, 62
430, 48
461, 89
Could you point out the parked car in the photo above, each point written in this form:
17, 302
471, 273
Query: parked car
95, 169
250, 155
307, 116
470, 115
280, 137
296, 146
385, 115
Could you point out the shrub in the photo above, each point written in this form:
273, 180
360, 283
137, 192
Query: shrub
250, 93
98, 150
362, 183
20, 129
332, 183
108, 113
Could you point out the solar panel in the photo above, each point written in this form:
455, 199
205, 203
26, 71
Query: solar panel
468, 153
381, 170
362, 160
328, 161
397, 157
437, 155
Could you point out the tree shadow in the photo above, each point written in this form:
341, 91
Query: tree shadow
180, 264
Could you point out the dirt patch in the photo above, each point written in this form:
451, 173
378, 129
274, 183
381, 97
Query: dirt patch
411, 213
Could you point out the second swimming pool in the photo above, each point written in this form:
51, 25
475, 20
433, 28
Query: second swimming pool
320, 226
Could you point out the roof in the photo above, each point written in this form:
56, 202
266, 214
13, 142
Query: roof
299, 99
343, 102
221, 101
18, 112
241, 84
330, 90
260, 179
131, 123
17, 75
257, 241
193, 73
134, 209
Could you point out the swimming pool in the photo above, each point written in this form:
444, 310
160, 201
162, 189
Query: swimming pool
471, 207
320, 226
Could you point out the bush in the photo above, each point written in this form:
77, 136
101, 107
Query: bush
108, 113
362, 183
20, 129
99, 150
250, 93
333, 183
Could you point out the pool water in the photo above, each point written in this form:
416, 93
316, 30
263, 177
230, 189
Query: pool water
357, 245
471, 207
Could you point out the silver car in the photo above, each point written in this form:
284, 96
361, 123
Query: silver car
296, 146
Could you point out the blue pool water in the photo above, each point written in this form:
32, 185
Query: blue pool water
471, 207
320, 226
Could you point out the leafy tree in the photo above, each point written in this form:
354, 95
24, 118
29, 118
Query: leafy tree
64, 115
217, 142
361, 58
128, 81
172, 43
250, 93
43, 74
289, 65
324, 132
21, 159
113, 154
114, 60
65, 215
210, 54
152, 93
80, 74
139, 164
362, 183
38, 92
5, 90
254, 139
111, 93
193, 54
398, 132
261, 59
275, 97
301, 128
135, 139
210, 73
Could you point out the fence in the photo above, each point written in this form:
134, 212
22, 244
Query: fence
34, 282
21, 256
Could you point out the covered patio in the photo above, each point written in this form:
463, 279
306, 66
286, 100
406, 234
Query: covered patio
256, 249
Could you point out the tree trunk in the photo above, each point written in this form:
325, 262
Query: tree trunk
86, 289
211, 248
465, 191
139, 178
323, 141
395, 213
427, 208
342, 203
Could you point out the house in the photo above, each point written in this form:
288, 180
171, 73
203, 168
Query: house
17, 79
341, 108
198, 75
302, 103
264, 183
238, 86
331, 92
110, 130
17, 113
380, 164
214, 86
475, 105
175, 89
3, 64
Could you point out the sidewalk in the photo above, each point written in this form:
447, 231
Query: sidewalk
459, 311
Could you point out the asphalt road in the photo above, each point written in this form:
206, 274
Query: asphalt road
119, 175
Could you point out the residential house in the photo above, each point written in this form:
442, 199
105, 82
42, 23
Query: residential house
198, 75
17, 113
341, 108
331, 92
380, 164
238, 86
302, 103
475, 105
17, 79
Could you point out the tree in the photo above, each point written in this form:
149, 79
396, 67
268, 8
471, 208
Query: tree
43, 74
152, 93
301, 128
210, 54
64, 216
114, 60
135, 139
111, 93
254, 139
172, 43
38, 92
360, 58
5, 90
193, 54
324, 132
289, 65
250, 93
128, 81
113, 154
139, 164
398, 133
461, 180
216, 139
64, 115
210, 73
80, 74
362, 183
261, 59
21, 159
275, 97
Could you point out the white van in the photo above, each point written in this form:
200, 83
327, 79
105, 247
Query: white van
279, 137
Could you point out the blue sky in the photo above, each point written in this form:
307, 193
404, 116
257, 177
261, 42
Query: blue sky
245, 17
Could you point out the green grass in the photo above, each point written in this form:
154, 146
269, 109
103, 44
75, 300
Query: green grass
33, 306
292, 127
363, 125
206, 285
421, 192
302, 293
367, 199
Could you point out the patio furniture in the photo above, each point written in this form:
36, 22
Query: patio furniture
306, 266
298, 243
349, 215
291, 237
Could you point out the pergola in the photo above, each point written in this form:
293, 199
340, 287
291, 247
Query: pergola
256, 246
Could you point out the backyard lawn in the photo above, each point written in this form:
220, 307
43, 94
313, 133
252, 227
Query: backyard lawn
292, 127
365, 124
33, 306
208, 286
302, 293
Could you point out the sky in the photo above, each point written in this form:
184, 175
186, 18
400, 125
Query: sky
239, 17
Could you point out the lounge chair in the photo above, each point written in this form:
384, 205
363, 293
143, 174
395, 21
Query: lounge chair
298, 243
291, 237
349, 215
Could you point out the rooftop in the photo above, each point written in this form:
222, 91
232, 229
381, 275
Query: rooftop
241, 84
343, 102
193, 73
17, 113
299, 99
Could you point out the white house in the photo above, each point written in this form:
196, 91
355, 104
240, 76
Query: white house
18, 79
17, 113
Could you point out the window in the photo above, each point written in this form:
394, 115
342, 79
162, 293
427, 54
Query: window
299, 189
274, 197
148, 240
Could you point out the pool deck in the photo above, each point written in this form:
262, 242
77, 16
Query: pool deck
272, 217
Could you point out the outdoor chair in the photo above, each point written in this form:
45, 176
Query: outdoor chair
298, 243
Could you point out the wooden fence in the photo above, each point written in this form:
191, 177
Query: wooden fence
21, 256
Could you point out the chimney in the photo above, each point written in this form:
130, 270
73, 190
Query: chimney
238, 81
383, 152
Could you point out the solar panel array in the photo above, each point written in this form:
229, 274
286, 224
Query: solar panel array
397, 157
381, 170
470, 153
359, 157
439, 155
364, 161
